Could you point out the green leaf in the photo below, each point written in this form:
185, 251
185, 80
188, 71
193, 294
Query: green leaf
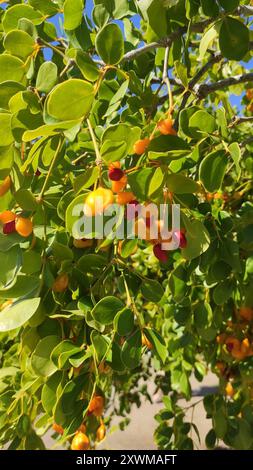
100, 345
19, 313
100, 15
62, 352
7, 90
73, 13
13, 14
178, 283
10, 265
198, 239
87, 179
124, 322
49, 392
70, 100
152, 290
49, 130
131, 351
222, 292
212, 170
24, 285
201, 122
106, 309
87, 66
234, 39
207, 39
165, 143
110, 44
40, 360
119, 133
116, 100
236, 154
139, 182
26, 200
158, 342
229, 5
12, 68
220, 423
113, 151
6, 137
181, 72
210, 7
47, 77
210, 439
19, 43
180, 184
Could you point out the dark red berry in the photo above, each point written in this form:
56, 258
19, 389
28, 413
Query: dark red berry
131, 210
160, 254
115, 174
180, 236
38, 173
10, 227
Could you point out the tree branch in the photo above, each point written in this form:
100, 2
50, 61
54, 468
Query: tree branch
201, 91
237, 120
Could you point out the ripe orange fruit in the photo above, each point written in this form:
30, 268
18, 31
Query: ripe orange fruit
114, 165
125, 197
97, 201
166, 127
96, 406
61, 283
5, 186
7, 216
145, 341
80, 442
229, 390
245, 346
82, 428
82, 243
141, 146
101, 431
24, 226
58, 428
246, 313
249, 94
118, 186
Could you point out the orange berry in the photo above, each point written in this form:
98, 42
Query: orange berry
101, 431
24, 226
97, 201
80, 442
96, 406
61, 283
166, 127
7, 216
221, 367
125, 197
57, 428
82, 428
141, 146
246, 313
221, 338
232, 344
249, 94
113, 165
245, 346
5, 186
82, 243
145, 341
229, 390
118, 186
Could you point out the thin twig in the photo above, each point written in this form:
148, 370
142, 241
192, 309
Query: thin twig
166, 79
99, 160
40, 198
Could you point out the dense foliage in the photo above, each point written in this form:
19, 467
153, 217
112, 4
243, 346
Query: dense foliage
84, 324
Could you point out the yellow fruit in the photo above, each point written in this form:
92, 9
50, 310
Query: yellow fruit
229, 390
97, 201
80, 442
101, 431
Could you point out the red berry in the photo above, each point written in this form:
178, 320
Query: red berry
160, 254
131, 211
10, 227
37, 173
180, 236
115, 174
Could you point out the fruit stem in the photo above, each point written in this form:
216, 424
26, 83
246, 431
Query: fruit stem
99, 161
59, 147
166, 80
